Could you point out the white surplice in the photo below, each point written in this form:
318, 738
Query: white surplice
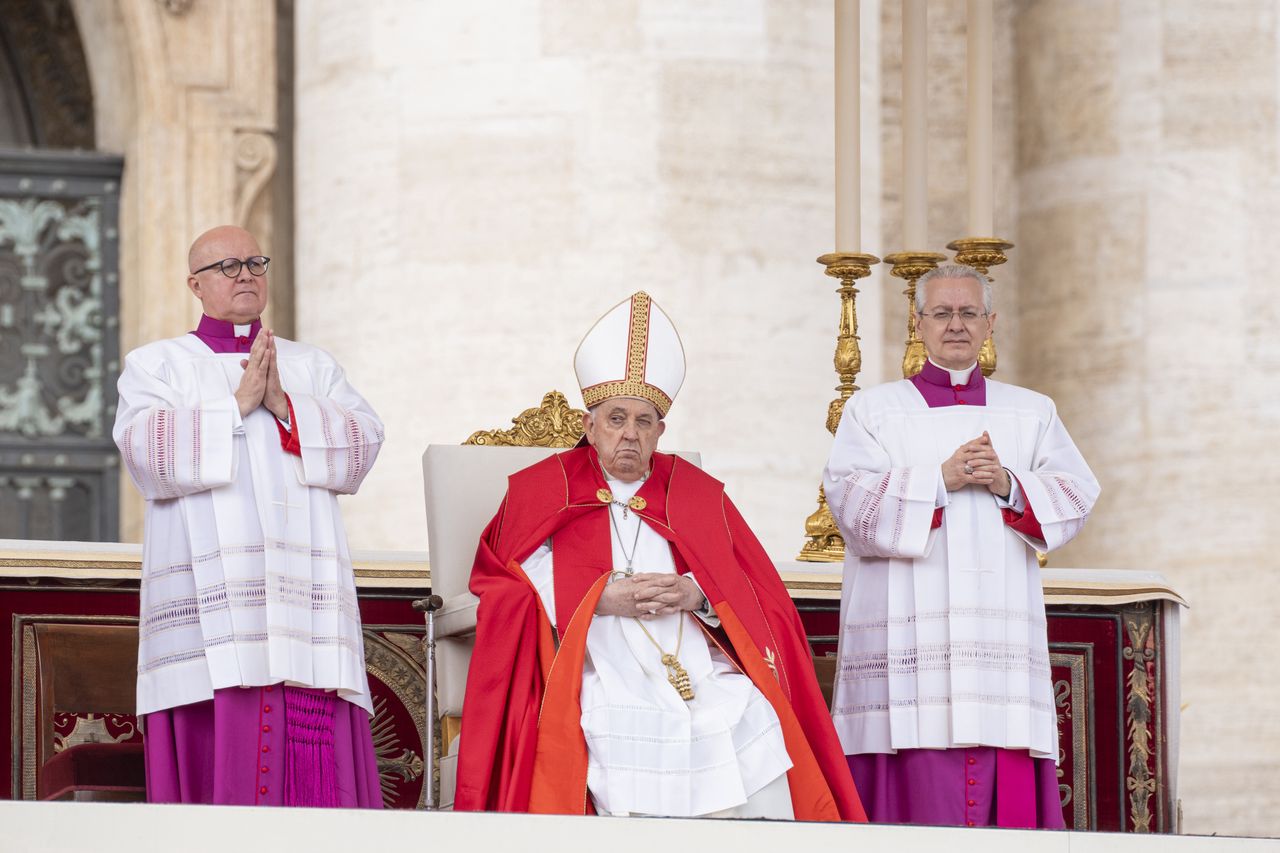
943, 637
649, 751
246, 576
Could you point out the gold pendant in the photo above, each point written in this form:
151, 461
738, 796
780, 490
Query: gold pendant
604, 496
678, 676
637, 503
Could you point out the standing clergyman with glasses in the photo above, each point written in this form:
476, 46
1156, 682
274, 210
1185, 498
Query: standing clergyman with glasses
944, 487
251, 676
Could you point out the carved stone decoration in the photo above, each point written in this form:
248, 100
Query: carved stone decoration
553, 424
255, 165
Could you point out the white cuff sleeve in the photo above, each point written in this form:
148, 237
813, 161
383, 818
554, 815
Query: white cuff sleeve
237, 422
706, 613
1016, 501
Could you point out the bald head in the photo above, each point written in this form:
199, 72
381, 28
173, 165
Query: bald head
213, 245
236, 299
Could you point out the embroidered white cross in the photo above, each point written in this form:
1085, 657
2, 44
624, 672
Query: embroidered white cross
285, 506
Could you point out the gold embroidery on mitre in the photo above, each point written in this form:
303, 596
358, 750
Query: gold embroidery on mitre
596, 394
638, 343
604, 496
637, 361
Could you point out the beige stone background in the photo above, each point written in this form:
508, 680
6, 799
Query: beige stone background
474, 183
489, 177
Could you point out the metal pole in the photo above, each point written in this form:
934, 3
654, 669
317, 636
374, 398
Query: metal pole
429, 606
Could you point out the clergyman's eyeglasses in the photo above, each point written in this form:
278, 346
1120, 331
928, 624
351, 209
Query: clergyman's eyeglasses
967, 317
231, 266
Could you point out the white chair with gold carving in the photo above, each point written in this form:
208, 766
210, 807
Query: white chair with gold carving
464, 485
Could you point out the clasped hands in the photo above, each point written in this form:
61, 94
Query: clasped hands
648, 595
260, 384
975, 463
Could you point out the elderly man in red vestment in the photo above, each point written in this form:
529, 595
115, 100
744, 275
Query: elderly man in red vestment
636, 651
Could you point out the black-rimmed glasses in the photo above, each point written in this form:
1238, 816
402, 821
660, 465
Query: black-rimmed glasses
230, 267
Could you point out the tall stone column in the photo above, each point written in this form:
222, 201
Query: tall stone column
1147, 176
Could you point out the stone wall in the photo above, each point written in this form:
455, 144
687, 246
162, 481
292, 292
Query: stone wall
1147, 173
478, 182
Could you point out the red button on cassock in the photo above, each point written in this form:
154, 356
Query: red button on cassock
262, 790
973, 761
973, 802
973, 781
268, 688
265, 768
266, 749
266, 709
266, 728
970, 823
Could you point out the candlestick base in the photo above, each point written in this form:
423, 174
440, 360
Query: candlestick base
910, 266
823, 542
982, 253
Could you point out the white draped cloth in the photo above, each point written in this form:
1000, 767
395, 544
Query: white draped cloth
943, 639
648, 750
246, 575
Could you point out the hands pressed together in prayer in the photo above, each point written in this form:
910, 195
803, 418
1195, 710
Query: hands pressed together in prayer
975, 463
648, 595
260, 384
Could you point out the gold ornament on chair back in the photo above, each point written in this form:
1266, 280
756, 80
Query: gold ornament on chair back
553, 424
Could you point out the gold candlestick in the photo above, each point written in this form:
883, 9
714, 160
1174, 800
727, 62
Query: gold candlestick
910, 266
982, 253
823, 542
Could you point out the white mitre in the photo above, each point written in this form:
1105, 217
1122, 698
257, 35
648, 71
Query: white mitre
632, 351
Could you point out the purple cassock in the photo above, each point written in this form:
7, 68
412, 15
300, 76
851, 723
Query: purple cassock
973, 786
272, 745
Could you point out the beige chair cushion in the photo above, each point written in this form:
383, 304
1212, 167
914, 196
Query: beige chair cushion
464, 485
